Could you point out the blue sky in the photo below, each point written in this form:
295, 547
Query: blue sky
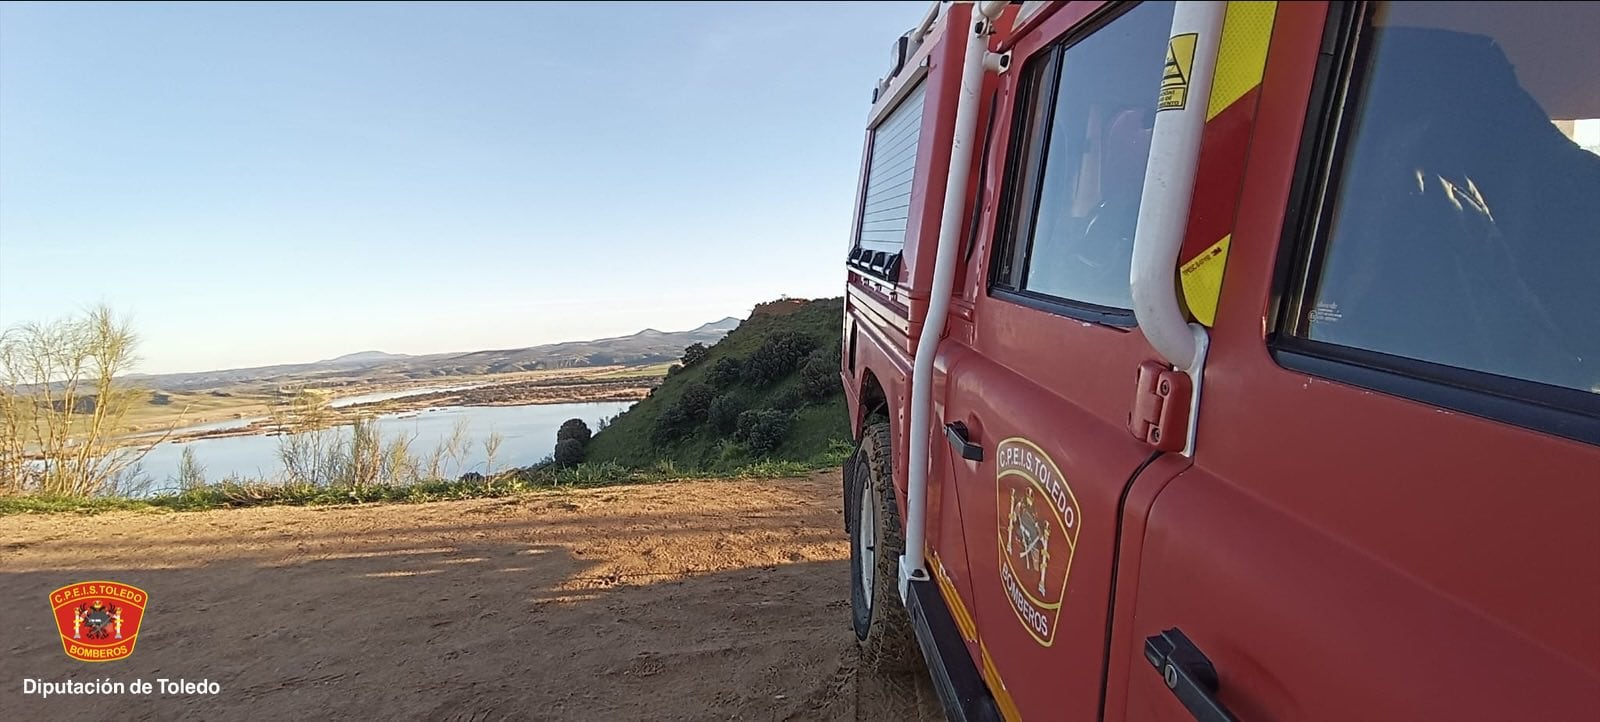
259, 184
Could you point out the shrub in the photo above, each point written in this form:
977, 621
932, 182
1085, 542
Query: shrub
725, 372
569, 453
789, 399
694, 353
723, 414
819, 375
695, 401
191, 475
762, 430
671, 425
674, 369
574, 429
777, 356
731, 454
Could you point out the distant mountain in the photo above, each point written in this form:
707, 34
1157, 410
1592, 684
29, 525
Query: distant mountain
364, 358
725, 325
647, 346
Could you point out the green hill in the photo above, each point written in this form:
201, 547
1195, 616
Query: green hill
769, 390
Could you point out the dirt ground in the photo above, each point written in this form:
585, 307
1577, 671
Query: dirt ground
705, 600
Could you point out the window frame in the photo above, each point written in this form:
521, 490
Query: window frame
1325, 139
1009, 258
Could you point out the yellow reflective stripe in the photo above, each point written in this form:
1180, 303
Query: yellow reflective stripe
969, 631
1002, 696
1242, 56
958, 610
1202, 280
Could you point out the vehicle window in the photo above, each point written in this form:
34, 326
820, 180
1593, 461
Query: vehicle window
1079, 200
1465, 223
890, 170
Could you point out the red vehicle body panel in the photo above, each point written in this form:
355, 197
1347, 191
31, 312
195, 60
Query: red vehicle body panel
1338, 553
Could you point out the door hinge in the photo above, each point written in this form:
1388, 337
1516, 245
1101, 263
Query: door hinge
1160, 414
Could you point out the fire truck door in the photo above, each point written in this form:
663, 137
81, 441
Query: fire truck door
1036, 402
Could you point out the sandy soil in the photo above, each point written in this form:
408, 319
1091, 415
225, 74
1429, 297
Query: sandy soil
698, 601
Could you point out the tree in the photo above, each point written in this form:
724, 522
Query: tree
569, 452
62, 404
574, 429
693, 354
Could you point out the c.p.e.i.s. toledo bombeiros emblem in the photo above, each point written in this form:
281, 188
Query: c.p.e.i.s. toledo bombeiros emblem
98, 621
1039, 523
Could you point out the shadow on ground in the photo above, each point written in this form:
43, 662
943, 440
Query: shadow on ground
695, 601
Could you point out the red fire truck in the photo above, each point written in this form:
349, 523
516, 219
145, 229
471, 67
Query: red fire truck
1232, 360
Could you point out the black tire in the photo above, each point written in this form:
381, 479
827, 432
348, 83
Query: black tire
882, 627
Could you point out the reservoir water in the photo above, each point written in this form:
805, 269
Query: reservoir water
528, 435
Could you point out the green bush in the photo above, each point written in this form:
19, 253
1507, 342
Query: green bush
725, 372
723, 414
671, 424
762, 430
693, 354
789, 399
819, 375
777, 356
695, 401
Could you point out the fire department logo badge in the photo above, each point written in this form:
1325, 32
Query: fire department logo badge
1039, 522
98, 621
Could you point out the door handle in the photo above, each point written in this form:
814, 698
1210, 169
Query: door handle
1188, 674
956, 433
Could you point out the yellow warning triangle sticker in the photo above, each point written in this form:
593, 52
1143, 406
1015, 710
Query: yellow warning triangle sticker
1175, 74
1172, 73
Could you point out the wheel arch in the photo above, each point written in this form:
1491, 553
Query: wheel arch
874, 405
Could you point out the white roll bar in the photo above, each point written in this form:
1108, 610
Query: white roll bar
944, 270
1168, 188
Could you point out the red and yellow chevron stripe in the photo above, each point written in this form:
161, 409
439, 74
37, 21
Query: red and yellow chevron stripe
1230, 114
969, 632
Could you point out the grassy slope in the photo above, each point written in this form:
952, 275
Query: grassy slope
816, 427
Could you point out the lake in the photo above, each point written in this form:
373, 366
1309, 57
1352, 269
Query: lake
528, 432
338, 402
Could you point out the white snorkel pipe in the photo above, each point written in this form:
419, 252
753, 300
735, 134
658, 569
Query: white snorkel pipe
944, 270
1164, 205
